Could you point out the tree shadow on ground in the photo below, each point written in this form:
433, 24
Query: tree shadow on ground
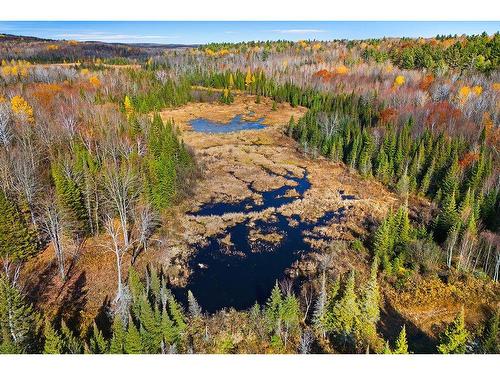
73, 302
391, 322
37, 287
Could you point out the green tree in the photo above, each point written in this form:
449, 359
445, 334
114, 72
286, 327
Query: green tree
401, 343
117, 344
133, 342
18, 320
53, 341
454, 338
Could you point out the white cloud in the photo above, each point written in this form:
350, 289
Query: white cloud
299, 31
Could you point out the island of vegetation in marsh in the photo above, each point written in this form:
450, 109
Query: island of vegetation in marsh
259, 197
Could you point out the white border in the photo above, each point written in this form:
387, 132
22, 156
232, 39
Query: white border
270, 10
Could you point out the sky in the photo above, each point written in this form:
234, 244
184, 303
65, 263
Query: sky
200, 32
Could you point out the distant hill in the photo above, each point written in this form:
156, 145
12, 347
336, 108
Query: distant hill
49, 50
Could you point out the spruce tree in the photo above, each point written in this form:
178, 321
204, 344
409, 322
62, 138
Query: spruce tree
133, 341
491, 339
454, 338
118, 339
18, 321
17, 241
345, 313
98, 344
369, 309
53, 341
401, 343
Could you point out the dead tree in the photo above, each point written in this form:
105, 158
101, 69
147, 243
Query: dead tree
52, 225
119, 250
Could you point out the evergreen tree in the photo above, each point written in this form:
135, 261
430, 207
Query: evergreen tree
369, 309
343, 317
133, 343
193, 306
454, 338
18, 321
71, 343
98, 344
53, 341
401, 343
491, 339
17, 241
117, 345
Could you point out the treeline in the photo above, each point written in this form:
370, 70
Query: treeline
158, 91
475, 52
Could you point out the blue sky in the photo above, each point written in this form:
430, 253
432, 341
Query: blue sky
193, 32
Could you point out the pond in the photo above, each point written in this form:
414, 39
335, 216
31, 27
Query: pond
235, 125
246, 272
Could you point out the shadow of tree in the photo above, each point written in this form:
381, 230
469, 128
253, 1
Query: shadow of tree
73, 302
37, 285
391, 322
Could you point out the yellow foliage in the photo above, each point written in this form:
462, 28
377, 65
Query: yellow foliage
496, 86
52, 47
84, 71
342, 69
464, 93
302, 43
399, 81
231, 80
94, 81
477, 90
73, 42
129, 108
21, 107
2, 99
316, 46
250, 78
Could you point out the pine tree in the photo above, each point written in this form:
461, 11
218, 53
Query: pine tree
98, 344
118, 339
454, 338
193, 306
491, 340
71, 343
53, 341
133, 343
274, 310
369, 309
344, 315
18, 321
401, 343
17, 241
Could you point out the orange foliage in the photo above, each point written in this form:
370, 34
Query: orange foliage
468, 159
426, 82
442, 113
52, 47
388, 115
45, 93
94, 81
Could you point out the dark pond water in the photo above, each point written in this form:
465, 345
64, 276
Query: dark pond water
247, 273
235, 125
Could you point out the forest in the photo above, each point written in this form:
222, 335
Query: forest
98, 175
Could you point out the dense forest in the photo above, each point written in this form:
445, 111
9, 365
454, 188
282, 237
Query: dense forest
86, 160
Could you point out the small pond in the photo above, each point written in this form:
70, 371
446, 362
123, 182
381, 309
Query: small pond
245, 273
235, 125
